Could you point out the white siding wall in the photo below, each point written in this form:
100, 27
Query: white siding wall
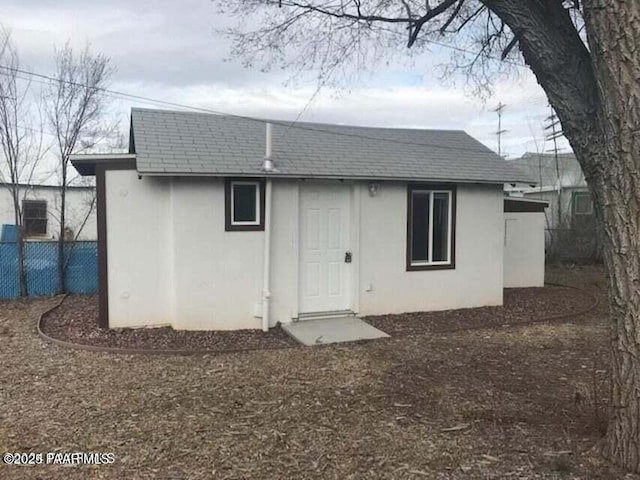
138, 250
78, 205
477, 279
524, 249
171, 261
218, 274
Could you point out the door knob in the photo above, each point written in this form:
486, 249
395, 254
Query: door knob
347, 257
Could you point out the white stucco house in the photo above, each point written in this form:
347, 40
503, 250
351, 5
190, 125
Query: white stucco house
41, 211
218, 222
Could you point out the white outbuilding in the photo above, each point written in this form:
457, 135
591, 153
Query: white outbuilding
217, 222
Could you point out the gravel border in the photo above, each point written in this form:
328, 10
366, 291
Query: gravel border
275, 339
395, 325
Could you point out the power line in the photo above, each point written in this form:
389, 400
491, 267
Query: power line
46, 79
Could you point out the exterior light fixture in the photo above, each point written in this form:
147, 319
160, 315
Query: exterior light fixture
373, 189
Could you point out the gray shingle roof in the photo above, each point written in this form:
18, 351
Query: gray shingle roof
185, 143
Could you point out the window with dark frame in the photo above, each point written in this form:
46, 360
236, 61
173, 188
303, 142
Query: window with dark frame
34, 217
244, 205
582, 204
430, 227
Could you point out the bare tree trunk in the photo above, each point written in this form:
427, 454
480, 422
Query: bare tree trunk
596, 96
22, 270
75, 105
614, 36
61, 239
622, 257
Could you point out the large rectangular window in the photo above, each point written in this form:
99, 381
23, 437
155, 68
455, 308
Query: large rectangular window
244, 204
430, 227
34, 217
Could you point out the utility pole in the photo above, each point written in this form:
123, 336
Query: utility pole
501, 106
553, 124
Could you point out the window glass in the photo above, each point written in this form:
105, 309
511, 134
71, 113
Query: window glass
420, 226
244, 202
34, 214
583, 205
440, 227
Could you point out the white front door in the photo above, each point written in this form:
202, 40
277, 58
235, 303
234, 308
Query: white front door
325, 220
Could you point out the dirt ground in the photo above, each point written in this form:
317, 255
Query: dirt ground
505, 402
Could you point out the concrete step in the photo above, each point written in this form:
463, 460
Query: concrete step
324, 315
332, 330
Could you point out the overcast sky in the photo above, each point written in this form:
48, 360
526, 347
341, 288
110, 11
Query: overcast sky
170, 50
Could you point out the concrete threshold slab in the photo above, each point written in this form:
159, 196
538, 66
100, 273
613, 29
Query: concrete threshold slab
332, 330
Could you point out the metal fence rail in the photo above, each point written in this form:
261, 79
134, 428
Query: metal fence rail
41, 263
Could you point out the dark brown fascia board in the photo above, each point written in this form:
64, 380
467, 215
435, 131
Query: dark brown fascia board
100, 169
512, 205
103, 277
86, 164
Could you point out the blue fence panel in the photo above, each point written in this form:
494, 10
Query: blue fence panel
9, 287
41, 261
9, 233
82, 267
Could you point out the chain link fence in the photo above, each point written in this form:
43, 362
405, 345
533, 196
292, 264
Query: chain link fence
578, 245
41, 263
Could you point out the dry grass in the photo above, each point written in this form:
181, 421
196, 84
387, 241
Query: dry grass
499, 403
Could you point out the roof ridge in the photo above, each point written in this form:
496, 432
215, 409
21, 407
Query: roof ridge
293, 123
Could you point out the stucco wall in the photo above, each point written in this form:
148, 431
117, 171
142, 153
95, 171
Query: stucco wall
524, 249
78, 206
138, 250
386, 286
172, 262
218, 274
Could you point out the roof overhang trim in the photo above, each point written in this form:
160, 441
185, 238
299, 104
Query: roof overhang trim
371, 178
86, 164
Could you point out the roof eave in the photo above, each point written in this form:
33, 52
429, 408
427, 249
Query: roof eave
86, 164
334, 177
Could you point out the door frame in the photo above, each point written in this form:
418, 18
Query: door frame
353, 191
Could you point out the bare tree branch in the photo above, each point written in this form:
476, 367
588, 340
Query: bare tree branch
21, 145
76, 107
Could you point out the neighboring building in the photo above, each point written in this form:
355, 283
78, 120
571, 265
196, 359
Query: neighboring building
41, 211
570, 219
211, 224
563, 187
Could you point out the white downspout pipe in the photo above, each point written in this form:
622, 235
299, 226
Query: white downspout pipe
266, 287
266, 292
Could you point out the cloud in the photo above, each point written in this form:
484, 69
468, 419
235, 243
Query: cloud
170, 50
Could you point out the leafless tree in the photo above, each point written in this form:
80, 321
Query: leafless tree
76, 109
584, 54
21, 141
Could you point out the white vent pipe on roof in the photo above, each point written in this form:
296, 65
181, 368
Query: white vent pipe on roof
266, 270
267, 165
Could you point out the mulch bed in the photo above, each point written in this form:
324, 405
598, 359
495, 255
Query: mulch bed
521, 306
76, 321
506, 403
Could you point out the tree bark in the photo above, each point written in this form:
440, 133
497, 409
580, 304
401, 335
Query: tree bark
18, 220
614, 39
596, 95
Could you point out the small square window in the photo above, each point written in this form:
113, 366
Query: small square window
244, 204
582, 204
34, 217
